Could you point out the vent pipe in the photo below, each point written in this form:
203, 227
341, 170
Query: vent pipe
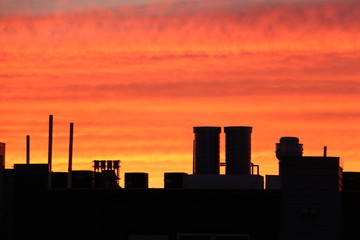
325, 151
50, 148
28, 149
69, 179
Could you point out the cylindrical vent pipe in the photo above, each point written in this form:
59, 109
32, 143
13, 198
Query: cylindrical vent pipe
238, 150
69, 179
206, 150
27, 149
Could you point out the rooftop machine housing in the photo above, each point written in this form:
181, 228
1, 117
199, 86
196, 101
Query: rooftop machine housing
137, 180
289, 148
206, 150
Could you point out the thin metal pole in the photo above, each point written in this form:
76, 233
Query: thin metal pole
50, 149
69, 180
28, 149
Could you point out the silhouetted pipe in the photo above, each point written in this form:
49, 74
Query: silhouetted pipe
50, 148
252, 169
69, 180
27, 149
325, 151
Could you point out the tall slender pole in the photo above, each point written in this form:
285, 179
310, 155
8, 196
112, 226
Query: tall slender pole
28, 149
50, 149
69, 180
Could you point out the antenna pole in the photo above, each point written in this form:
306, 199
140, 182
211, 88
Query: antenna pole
69, 180
50, 149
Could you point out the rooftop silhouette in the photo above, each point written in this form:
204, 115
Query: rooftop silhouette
311, 198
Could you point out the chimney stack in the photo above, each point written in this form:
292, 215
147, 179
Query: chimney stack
206, 150
238, 150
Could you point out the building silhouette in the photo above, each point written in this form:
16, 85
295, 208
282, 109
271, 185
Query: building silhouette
311, 198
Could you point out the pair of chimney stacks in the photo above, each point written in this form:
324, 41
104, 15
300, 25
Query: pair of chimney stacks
206, 150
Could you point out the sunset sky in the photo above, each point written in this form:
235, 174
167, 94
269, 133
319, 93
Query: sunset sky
136, 76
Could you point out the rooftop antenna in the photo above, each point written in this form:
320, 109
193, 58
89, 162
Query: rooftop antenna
69, 179
50, 149
28, 149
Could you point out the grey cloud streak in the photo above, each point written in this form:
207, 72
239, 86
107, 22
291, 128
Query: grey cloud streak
155, 18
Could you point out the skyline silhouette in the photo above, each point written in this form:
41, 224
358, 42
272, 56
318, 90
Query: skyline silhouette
206, 160
311, 197
221, 154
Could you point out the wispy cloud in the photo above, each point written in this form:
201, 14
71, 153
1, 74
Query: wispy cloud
185, 26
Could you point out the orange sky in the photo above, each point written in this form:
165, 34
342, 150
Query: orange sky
136, 77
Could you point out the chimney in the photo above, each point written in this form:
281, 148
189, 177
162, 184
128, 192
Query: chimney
238, 150
206, 150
